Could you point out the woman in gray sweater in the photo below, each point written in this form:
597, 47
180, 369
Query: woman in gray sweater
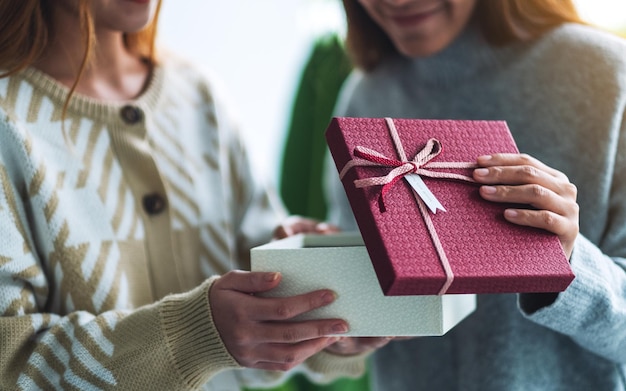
561, 87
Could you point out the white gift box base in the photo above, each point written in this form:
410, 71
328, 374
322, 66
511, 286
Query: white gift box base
340, 262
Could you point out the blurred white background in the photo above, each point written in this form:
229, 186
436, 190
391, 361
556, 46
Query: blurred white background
258, 47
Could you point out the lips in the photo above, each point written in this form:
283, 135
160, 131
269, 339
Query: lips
416, 17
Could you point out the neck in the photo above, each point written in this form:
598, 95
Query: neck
470, 54
113, 73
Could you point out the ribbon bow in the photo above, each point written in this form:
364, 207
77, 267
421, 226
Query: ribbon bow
369, 157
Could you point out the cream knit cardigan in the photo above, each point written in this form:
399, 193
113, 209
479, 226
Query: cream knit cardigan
113, 220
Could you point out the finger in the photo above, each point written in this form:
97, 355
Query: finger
284, 308
513, 175
284, 230
281, 232
283, 357
248, 282
549, 221
516, 159
306, 226
536, 196
303, 225
521, 175
326, 228
294, 332
293, 225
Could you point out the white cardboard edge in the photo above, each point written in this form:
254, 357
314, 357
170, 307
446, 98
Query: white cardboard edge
340, 262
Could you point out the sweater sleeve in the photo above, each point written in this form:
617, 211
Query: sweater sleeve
325, 367
171, 344
592, 311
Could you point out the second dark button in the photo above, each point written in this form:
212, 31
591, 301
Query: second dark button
154, 203
131, 114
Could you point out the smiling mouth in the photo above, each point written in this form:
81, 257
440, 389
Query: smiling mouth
413, 19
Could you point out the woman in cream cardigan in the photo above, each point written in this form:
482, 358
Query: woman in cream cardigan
126, 199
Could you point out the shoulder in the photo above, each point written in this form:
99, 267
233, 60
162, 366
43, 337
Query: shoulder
203, 88
585, 37
584, 49
573, 59
185, 73
190, 77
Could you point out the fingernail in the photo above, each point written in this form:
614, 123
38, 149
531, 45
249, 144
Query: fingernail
329, 297
320, 227
481, 171
511, 213
339, 328
271, 277
485, 157
489, 189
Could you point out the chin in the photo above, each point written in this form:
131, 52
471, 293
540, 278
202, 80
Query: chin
424, 45
422, 50
132, 30
134, 26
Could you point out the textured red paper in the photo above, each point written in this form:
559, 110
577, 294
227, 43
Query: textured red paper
487, 254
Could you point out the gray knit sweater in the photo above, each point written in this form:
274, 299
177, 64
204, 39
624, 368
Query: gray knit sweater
563, 97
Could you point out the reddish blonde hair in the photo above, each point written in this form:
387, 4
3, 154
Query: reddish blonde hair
26, 26
502, 22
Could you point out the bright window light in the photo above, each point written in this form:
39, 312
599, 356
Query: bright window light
606, 13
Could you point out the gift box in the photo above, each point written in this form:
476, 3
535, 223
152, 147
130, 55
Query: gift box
340, 262
399, 175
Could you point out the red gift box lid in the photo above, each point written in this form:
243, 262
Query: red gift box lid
484, 253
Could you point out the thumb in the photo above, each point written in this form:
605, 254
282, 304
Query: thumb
248, 282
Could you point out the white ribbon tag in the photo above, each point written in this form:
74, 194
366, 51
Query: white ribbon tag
424, 192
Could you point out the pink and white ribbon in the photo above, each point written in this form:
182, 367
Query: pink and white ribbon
421, 165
